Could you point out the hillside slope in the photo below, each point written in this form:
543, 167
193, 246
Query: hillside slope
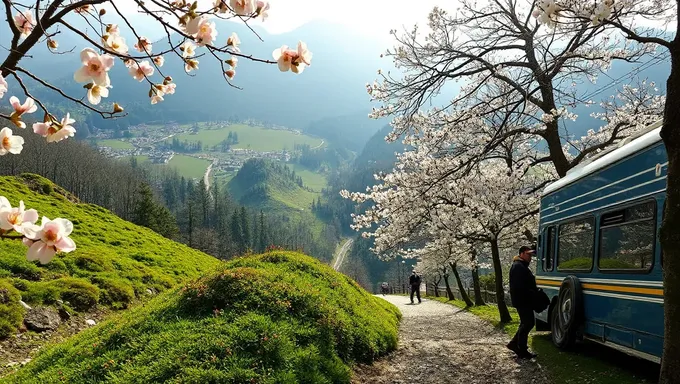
269, 185
279, 317
115, 262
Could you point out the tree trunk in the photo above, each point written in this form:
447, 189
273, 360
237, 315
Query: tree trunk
466, 298
449, 294
500, 293
475, 284
670, 236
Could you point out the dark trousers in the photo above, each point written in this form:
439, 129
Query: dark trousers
415, 289
526, 323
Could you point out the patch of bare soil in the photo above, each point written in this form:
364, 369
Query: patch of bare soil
442, 344
17, 350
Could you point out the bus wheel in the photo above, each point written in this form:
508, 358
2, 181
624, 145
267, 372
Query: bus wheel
567, 313
561, 337
570, 303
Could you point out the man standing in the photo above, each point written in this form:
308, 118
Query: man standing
522, 289
414, 281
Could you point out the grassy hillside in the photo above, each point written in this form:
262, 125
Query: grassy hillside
279, 317
268, 185
115, 262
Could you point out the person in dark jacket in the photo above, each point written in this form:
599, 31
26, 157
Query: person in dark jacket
522, 290
414, 282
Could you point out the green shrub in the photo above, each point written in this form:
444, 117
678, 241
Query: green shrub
274, 318
115, 292
11, 311
80, 294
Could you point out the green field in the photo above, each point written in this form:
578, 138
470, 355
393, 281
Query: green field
313, 180
255, 138
188, 166
115, 144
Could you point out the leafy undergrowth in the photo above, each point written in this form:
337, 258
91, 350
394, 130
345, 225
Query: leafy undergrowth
115, 263
586, 363
280, 317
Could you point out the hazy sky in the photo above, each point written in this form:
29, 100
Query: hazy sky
374, 17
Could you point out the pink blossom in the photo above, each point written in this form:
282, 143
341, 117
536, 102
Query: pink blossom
24, 22
190, 65
156, 98
95, 68
289, 59
220, 6
169, 89
95, 94
233, 41
50, 238
10, 143
159, 60
232, 61
242, 7
188, 49
193, 25
112, 29
18, 219
19, 109
3, 86
143, 45
262, 8
56, 131
115, 42
284, 57
207, 33
139, 71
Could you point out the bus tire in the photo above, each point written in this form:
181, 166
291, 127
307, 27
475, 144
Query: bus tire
570, 304
562, 338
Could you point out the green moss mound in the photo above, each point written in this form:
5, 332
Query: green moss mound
115, 262
279, 317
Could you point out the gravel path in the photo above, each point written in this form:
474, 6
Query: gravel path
440, 343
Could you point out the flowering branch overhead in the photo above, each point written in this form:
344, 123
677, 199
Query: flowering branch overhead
191, 33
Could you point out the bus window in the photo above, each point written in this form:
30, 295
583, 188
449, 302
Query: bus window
549, 249
576, 245
627, 238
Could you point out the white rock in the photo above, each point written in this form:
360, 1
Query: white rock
90, 322
26, 306
25, 361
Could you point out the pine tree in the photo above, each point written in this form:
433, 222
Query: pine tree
236, 232
245, 228
263, 233
144, 210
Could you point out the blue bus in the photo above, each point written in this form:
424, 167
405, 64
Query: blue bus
598, 256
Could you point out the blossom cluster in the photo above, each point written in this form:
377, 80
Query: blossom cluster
44, 240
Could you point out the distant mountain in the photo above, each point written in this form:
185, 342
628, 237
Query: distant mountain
351, 131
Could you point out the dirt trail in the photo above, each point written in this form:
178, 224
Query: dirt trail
440, 343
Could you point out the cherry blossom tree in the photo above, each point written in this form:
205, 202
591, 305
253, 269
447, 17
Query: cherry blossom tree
430, 193
191, 34
504, 61
653, 23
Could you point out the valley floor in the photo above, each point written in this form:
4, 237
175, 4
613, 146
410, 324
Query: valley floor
440, 343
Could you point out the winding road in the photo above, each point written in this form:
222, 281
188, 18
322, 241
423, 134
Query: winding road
341, 253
